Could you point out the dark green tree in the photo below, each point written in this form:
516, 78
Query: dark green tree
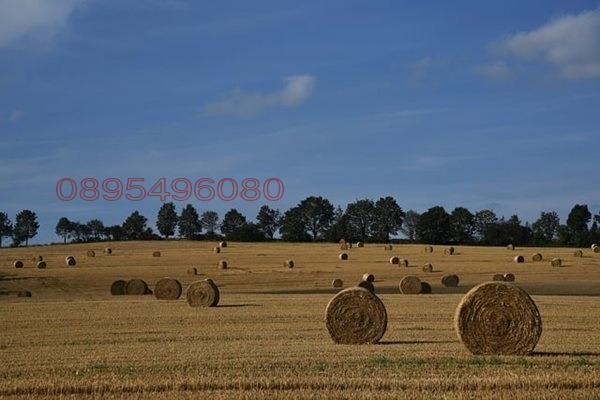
577, 221
6, 227
388, 219
317, 212
233, 222
96, 229
293, 226
189, 222
361, 216
166, 221
209, 221
269, 220
114, 232
64, 228
434, 226
26, 227
409, 225
545, 228
481, 221
134, 227
462, 220
340, 227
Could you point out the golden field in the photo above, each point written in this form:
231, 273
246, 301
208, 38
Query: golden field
267, 338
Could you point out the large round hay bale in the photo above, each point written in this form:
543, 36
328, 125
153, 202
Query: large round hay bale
192, 271
118, 287
360, 244
427, 267
91, 253
41, 264
388, 247
498, 278
368, 277
156, 253
450, 280
403, 262
216, 250
578, 253
337, 283
510, 247
356, 316
18, 264
537, 257
425, 288
498, 318
556, 262
410, 284
222, 264
288, 263
366, 285
428, 249
223, 244
508, 277
394, 260
344, 246
108, 250
343, 256
70, 261
519, 259
204, 293
449, 251
136, 287
167, 289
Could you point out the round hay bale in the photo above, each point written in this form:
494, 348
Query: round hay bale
223, 244
38, 258
192, 271
41, 264
510, 247
337, 283
203, 293
70, 261
349, 244
343, 256
108, 251
425, 288
450, 280
216, 250
136, 287
388, 247
428, 249
360, 244
449, 251
118, 287
508, 277
596, 249
394, 260
519, 259
410, 284
366, 285
167, 289
91, 253
342, 241
594, 245
578, 253
427, 267
537, 257
498, 278
288, 263
556, 262
368, 277
356, 316
498, 318
18, 264
156, 253
404, 262
222, 264
344, 246
23, 293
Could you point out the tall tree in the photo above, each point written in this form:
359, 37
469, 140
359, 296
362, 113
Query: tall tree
114, 232
461, 220
233, 222
209, 221
318, 214
64, 228
434, 226
409, 225
189, 222
26, 227
361, 216
293, 226
269, 220
340, 227
134, 227
166, 221
577, 221
482, 220
96, 228
545, 228
6, 227
388, 217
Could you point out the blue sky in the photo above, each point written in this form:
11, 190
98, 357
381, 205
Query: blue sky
468, 103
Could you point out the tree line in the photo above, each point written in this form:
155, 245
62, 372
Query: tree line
316, 219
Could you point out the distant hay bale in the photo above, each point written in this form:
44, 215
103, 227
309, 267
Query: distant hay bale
578, 253
18, 264
427, 267
498, 278
368, 277
222, 264
23, 293
337, 283
510, 247
360, 244
498, 318
508, 277
192, 271
403, 262
450, 280
428, 249
70, 261
366, 285
344, 246
519, 259
394, 260
425, 288
537, 257
342, 241
156, 253
118, 287
594, 245
410, 284
136, 287
108, 250
223, 244
356, 316
596, 248
343, 256
556, 262
289, 263
449, 251
204, 293
38, 258
167, 289
216, 250
41, 264
91, 253
388, 247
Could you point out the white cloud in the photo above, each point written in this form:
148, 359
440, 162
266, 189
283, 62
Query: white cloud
571, 43
38, 20
497, 71
296, 90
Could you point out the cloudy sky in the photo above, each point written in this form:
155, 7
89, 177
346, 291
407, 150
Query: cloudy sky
468, 103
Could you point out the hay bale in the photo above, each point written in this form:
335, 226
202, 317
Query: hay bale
108, 251
519, 259
70, 261
38, 258
449, 251
450, 280
136, 287
118, 287
498, 278
427, 267
203, 293
366, 285
394, 260
360, 244
337, 283
537, 257
428, 249
596, 249
404, 262
192, 271
510, 247
342, 241
508, 277
216, 250
344, 246
368, 277
349, 245
41, 264
167, 289
222, 264
91, 253
556, 262
410, 284
289, 263
594, 245
578, 253
425, 288
388, 247
356, 316
18, 264
156, 253
223, 244
498, 318
23, 293
343, 256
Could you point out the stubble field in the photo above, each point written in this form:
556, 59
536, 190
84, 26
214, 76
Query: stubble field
267, 338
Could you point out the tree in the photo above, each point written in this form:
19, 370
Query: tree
95, 228
409, 225
293, 226
361, 216
189, 222
233, 221
26, 227
166, 221
340, 227
545, 228
64, 228
248, 232
6, 227
134, 227
317, 212
481, 221
461, 220
577, 221
388, 217
434, 226
269, 220
114, 232
209, 221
